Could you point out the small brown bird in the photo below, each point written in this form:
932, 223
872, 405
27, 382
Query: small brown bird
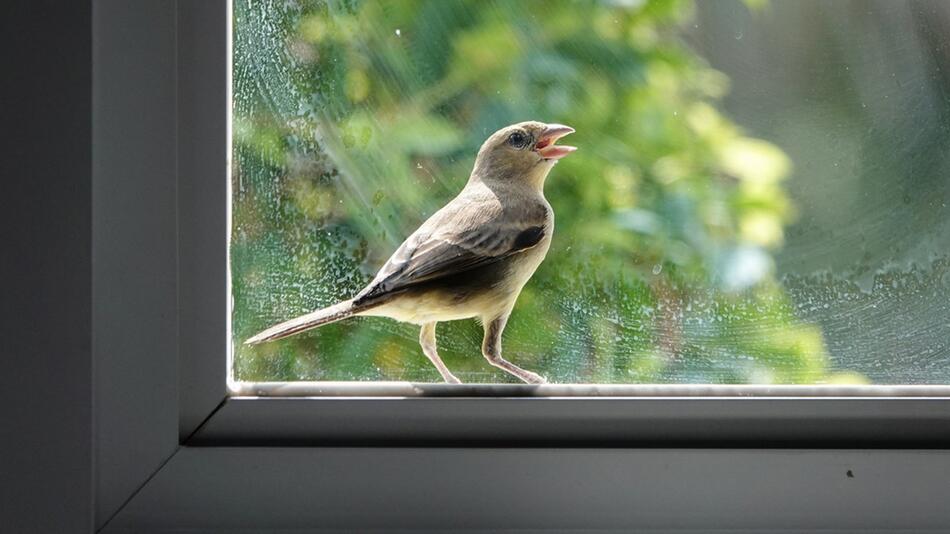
472, 257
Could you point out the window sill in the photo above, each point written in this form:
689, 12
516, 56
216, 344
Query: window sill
405, 414
418, 389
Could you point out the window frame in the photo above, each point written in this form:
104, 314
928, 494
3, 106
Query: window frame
176, 448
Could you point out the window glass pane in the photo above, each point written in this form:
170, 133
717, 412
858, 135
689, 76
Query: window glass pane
760, 193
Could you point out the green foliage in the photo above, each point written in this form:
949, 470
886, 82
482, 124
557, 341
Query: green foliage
356, 120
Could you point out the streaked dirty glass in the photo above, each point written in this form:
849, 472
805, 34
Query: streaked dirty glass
759, 196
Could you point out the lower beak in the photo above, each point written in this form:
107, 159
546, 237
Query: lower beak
546, 147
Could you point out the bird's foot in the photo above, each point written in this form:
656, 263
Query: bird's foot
533, 378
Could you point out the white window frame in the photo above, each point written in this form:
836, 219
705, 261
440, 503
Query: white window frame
177, 450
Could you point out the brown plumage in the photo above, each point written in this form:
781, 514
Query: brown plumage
472, 257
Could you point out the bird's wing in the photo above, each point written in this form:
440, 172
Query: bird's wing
455, 240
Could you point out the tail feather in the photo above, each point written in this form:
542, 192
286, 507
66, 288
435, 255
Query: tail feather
311, 320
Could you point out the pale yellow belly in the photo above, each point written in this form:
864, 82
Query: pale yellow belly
436, 306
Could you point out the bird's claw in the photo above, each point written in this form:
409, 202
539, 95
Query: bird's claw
534, 378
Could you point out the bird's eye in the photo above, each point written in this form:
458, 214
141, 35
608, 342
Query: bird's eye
518, 139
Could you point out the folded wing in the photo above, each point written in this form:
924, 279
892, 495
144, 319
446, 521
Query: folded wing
453, 242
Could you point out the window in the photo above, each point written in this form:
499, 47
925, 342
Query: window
757, 198
175, 452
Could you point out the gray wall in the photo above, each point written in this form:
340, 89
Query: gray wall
45, 231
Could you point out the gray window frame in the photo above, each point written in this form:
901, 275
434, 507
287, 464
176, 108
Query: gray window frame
175, 449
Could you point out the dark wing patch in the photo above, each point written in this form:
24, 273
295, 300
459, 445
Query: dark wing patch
437, 258
528, 238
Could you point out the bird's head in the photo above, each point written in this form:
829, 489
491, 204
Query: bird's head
523, 152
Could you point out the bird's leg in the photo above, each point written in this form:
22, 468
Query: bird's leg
427, 340
491, 348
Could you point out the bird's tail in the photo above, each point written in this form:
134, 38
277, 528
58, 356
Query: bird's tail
303, 323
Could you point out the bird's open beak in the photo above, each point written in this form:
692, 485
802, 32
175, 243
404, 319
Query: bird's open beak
546, 147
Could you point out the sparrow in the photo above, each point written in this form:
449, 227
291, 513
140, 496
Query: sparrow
472, 257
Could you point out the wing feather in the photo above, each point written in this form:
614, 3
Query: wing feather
461, 237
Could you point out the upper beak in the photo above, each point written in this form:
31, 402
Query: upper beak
545, 145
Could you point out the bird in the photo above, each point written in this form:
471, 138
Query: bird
471, 258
